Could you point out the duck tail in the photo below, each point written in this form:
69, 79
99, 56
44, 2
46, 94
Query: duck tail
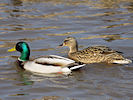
74, 66
71, 67
77, 67
122, 61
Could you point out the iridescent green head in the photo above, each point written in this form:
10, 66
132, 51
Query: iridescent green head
24, 49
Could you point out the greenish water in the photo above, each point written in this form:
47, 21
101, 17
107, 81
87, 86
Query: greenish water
44, 24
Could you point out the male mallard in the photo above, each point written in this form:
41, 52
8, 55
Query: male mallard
46, 64
95, 54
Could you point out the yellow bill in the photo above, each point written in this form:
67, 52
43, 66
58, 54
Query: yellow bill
12, 49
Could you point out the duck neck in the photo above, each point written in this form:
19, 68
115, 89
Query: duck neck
73, 49
25, 55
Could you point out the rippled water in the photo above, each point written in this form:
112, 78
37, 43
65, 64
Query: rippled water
44, 24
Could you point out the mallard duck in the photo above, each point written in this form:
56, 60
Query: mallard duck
45, 64
93, 54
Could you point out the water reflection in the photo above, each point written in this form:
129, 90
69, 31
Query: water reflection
57, 80
65, 34
53, 98
48, 15
44, 24
129, 6
109, 38
93, 3
117, 25
16, 2
14, 12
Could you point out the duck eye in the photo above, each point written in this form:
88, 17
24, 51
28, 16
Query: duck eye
66, 40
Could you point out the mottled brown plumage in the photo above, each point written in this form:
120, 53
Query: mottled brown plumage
95, 54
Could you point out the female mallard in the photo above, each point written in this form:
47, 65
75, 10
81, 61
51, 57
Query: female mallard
95, 54
46, 64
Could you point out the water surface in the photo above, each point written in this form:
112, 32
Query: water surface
44, 24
